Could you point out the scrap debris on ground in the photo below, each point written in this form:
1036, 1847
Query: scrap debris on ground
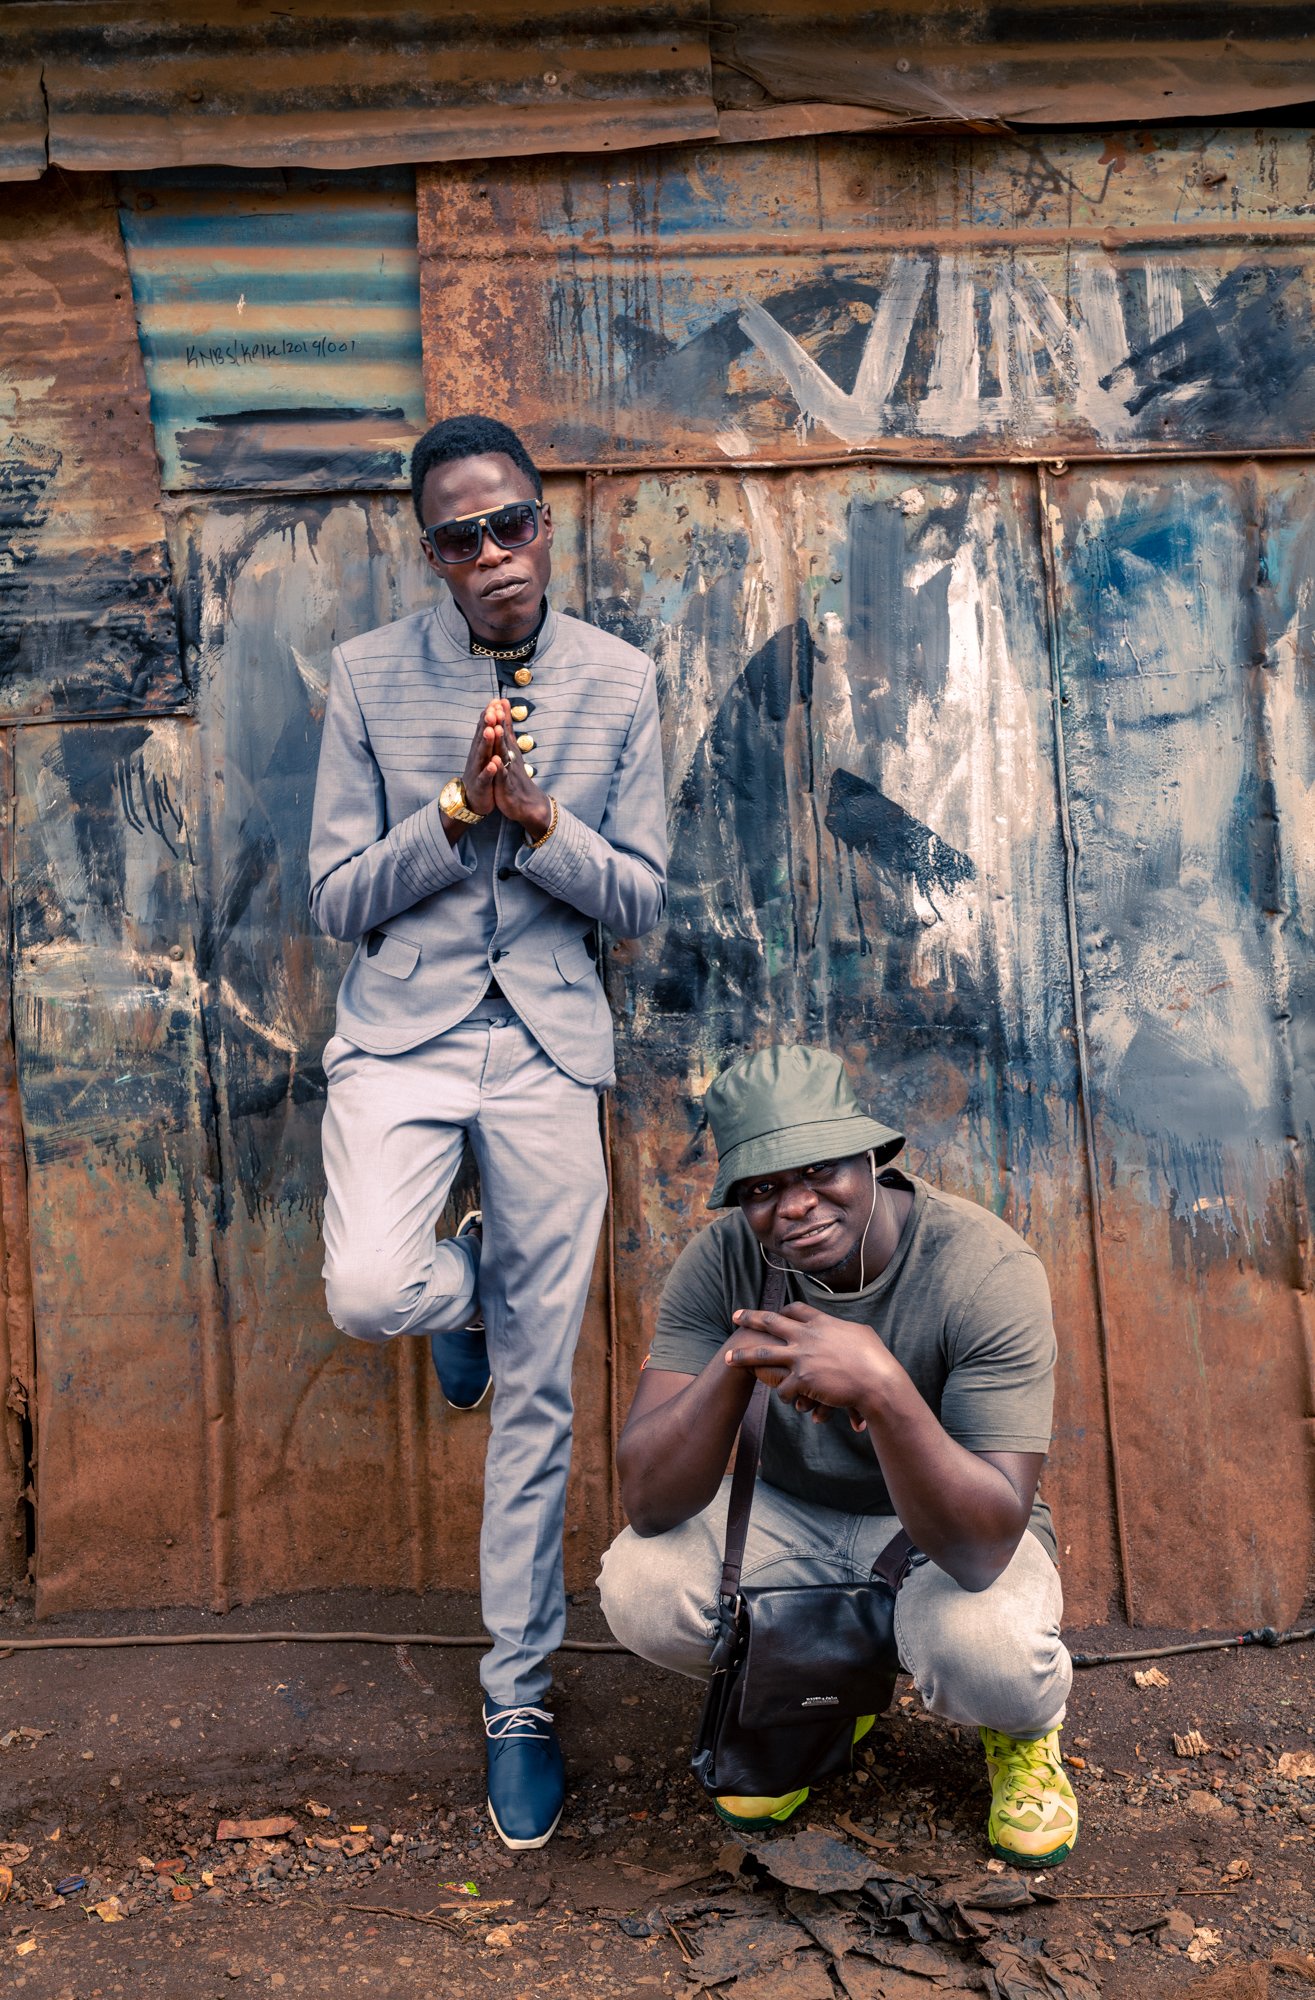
315, 1822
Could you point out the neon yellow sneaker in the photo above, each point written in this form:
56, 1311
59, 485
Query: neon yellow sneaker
1034, 1815
751, 1814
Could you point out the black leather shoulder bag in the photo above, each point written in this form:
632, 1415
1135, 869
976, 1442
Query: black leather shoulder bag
793, 1667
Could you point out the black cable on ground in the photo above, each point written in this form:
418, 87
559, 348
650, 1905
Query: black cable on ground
1263, 1635
282, 1639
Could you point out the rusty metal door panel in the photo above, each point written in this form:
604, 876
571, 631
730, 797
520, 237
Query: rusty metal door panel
120, 1159
1168, 707
1058, 295
865, 852
1284, 705
86, 618
280, 325
342, 1461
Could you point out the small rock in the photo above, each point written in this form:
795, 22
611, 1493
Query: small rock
1180, 1926
623, 1764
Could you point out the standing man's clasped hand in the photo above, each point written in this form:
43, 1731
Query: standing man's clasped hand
496, 779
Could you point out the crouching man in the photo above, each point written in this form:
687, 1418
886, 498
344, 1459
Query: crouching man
915, 1361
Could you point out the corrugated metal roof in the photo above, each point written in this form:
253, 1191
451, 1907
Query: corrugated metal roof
354, 83
1035, 62
280, 324
346, 83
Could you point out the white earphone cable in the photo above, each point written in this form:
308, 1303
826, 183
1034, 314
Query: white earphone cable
790, 1271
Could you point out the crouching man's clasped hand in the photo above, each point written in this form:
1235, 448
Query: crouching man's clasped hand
812, 1360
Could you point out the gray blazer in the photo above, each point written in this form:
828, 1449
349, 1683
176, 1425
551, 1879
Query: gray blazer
432, 922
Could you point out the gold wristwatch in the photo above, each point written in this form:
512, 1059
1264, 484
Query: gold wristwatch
453, 801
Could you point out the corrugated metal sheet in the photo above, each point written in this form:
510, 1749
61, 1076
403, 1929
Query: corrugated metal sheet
18, 1441
110, 84
875, 803
1059, 296
280, 325
968, 769
1034, 65
346, 83
86, 616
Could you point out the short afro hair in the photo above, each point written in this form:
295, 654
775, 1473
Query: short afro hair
467, 437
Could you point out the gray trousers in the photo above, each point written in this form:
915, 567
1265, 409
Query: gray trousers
991, 1657
393, 1133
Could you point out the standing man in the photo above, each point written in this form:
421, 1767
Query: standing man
914, 1370
489, 792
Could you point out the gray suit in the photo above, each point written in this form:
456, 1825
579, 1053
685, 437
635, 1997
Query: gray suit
425, 1057
433, 922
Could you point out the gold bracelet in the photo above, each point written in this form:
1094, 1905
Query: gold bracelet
552, 825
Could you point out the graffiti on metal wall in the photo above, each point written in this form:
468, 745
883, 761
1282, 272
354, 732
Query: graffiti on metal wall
966, 297
956, 351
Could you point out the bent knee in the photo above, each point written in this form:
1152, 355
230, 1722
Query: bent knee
993, 1657
623, 1587
367, 1302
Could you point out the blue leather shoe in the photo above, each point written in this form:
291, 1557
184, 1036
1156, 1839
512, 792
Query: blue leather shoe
527, 1783
461, 1362
461, 1358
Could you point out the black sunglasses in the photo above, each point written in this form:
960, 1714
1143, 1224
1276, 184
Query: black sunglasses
514, 526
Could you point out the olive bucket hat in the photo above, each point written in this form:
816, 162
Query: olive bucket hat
786, 1107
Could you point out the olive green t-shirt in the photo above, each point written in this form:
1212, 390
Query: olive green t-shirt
963, 1305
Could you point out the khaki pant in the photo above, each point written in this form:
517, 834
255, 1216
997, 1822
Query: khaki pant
992, 1657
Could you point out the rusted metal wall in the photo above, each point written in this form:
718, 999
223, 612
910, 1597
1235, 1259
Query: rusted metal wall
206, 1435
996, 775
90, 670
994, 772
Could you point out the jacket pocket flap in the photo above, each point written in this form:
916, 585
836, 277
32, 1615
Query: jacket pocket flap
396, 956
573, 961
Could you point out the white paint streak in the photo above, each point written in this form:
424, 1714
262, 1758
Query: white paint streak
735, 441
969, 769
887, 343
857, 415
951, 406
1164, 297
314, 678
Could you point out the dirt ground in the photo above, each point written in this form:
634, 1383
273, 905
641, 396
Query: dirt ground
1193, 1873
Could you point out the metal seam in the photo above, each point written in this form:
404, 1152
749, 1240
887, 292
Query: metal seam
1072, 855
898, 456
614, 1514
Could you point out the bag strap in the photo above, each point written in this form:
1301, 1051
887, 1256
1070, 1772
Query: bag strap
891, 1566
748, 1451
895, 1561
